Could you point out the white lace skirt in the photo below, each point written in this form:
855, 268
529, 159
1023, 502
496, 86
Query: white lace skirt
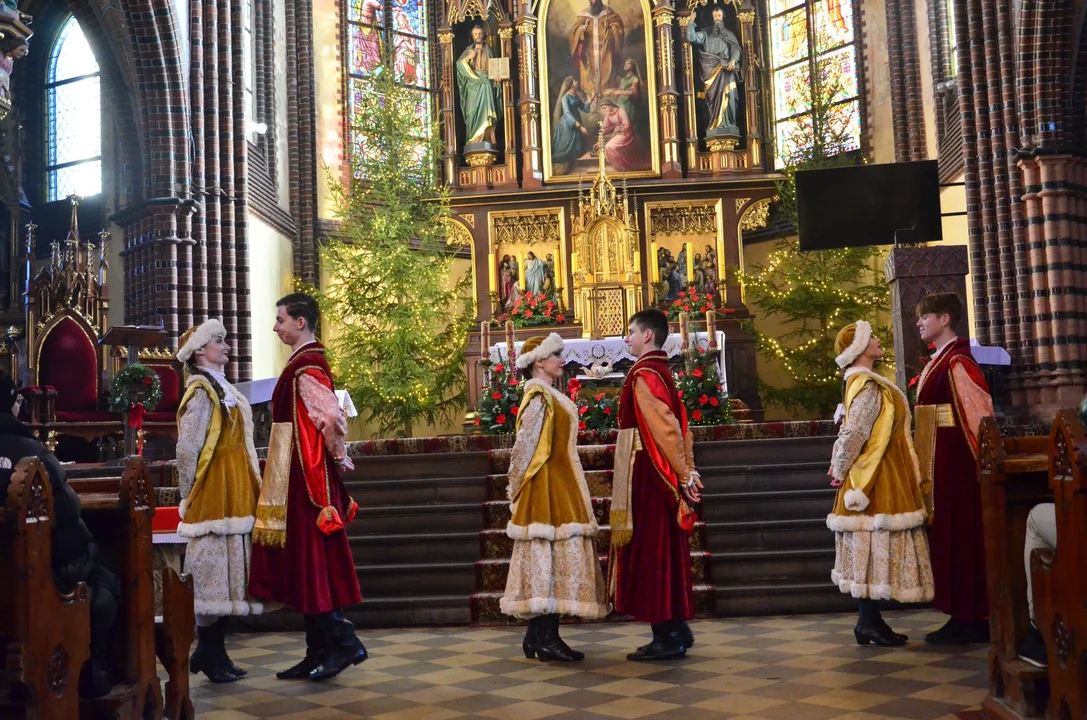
219, 565
884, 564
555, 576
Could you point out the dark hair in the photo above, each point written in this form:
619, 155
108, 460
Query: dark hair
652, 319
526, 372
942, 304
191, 368
301, 305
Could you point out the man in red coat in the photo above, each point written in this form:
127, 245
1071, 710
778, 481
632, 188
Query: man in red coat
952, 399
654, 487
301, 556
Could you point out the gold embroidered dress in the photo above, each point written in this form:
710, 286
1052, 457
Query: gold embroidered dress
219, 481
879, 516
554, 567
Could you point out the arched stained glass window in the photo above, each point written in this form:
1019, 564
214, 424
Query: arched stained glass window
406, 24
73, 162
814, 54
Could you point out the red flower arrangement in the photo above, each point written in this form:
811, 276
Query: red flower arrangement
599, 412
691, 301
501, 401
533, 310
702, 394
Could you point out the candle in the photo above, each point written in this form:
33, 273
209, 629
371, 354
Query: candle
711, 329
684, 335
520, 260
485, 338
654, 263
637, 261
560, 274
511, 355
690, 262
492, 281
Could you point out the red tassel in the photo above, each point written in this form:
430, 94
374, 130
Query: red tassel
136, 414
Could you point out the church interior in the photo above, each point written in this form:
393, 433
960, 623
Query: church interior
457, 182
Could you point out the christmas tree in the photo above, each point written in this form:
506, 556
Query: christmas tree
401, 324
814, 294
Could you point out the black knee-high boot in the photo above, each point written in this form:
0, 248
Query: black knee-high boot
532, 637
871, 628
574, 654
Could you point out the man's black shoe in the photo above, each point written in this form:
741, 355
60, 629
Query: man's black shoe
315, 648
686, 635
959, 632
1033, 649
666, 645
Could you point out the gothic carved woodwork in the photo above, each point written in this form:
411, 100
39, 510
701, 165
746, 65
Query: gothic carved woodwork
513, 236
689, 236
458, 236
666, 94
529, 104
755, 215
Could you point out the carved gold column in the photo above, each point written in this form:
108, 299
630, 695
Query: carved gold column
690, 116
671, 167
529, 103
509, 116
746, 16
449, 128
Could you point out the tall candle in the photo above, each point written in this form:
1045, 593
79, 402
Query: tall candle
560, 274
711, 329
485, 338
637, 261
684, 335
521, 270
492, 280
654, 264
690, 262
511, 354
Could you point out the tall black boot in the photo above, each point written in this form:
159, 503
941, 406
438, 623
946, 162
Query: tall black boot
343, 649
220, 646
315, 648
532, 637
575, 655
898, 637
666, 644
209, 657
549, 647
870, 630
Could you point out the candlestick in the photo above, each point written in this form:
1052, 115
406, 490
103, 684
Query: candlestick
520, 260
711, 329
492, 280
684, 334
690, 262
485, 338
511, 354
654, 263
637, 261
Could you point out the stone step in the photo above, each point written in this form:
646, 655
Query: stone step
437, 517
486, 611
773, 476
744, 567
416, 547
496, 545
768, 505
491, 575
420, 465
771, 450
417, 491
417, 579
784, 598
768, 535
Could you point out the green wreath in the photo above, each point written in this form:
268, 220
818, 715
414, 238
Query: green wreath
138, 377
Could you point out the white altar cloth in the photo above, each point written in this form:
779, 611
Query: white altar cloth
585, 352
260, 391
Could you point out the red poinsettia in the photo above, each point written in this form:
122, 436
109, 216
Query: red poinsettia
501, 419
514, 410
496, 395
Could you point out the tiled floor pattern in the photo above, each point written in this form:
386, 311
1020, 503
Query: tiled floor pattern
793, 668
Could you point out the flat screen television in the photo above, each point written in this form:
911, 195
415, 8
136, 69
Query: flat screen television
864, 205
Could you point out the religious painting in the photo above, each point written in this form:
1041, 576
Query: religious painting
714, 34
597, 74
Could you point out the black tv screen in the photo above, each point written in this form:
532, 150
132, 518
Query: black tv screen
865, 204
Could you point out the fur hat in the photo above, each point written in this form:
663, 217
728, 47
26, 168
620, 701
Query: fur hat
538, 348
851, 342
197, 337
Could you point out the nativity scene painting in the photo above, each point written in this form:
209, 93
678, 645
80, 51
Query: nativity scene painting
598, 84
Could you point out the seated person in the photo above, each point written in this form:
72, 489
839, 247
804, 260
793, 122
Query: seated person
1041, 535
75, 556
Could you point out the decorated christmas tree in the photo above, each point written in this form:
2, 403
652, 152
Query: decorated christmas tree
400, 324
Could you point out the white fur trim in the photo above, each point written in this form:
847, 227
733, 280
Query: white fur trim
535, 607
880, 592
881, 521
225, 526
234, 608
181, 508
551, 345
540, 531
860, 342
203, 335
856, 500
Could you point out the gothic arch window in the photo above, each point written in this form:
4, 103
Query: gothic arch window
73, 116
370, 24
814, 55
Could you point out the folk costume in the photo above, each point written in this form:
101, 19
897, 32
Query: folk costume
554, 569
879, 515
301, 556
219, 479
650, 576
952, 399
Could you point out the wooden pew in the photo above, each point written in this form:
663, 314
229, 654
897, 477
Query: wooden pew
1014, 477
44, 636
173, 638
1059, 582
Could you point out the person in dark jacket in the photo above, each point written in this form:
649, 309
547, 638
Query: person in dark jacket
75, 556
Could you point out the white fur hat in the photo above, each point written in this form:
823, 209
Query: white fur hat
538, 348
851, 342
197, 337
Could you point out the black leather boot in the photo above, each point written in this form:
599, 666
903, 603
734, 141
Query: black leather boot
209, 657
898, 637
532, 636
315, 648
666, 645
342, 648
575, 655
686, 635
220, 643
869, 629
549, 647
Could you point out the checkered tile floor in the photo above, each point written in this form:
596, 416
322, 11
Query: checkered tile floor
795, 668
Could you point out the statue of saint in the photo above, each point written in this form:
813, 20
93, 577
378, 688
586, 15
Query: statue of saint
535, 274
719, 60
596, 45
479, 99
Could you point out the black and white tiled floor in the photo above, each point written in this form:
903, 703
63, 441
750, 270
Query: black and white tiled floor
794, 668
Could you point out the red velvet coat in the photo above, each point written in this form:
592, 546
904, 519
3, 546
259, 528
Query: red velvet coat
956, 537
653, 579
314, 572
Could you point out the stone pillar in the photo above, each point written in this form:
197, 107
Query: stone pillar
529, 103
690, 118
509, 114
666, 94
912, 274
445, 100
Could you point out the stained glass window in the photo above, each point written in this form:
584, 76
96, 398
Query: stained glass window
404, 23
814, 55
73, 164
